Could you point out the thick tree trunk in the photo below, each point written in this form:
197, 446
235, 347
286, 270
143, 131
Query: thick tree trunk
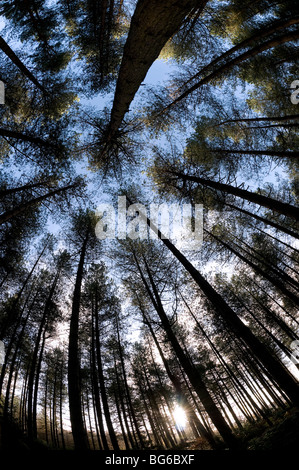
152, 25
74, 379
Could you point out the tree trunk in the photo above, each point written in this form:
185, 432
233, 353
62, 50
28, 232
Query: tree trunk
274, 280
292, 36
193, 375
279, 373
103, 392
275, 225
258, 119
19, 64
127, 387
181, 397
74, 379
152, 25
264, 32
5, 324
96, 387
33, 202
25, 187
271, 153
24, 137
265, 201
32, 373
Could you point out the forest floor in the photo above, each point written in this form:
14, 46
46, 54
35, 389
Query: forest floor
281, 435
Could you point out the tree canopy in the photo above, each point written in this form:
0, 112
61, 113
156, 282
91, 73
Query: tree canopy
149, 225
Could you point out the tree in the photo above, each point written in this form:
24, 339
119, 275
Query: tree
151, 26
84, 225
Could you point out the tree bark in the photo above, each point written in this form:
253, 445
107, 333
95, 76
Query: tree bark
74, 379
33, 202
279, 373
103, 392
19, 64
236, 61
25, 137
193, 375
152, 25
265, 201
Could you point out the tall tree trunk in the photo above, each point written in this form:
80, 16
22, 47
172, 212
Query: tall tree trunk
264, 201
285, 380
19, 64
33, 202
36, 384
74, 379
34, 359
181, 397
17, 298
61, 406
289, 117
152, 25
126, 386
122, 404
262, 33
96, 386
25, 187
271, 153
264, 273
193, 374
273, 224
25, 137
271, 43
103, 392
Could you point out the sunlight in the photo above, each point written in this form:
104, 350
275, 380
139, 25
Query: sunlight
180, 417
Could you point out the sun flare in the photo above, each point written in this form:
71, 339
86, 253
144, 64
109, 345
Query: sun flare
180, 417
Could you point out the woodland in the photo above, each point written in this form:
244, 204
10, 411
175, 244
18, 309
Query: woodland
142, 344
